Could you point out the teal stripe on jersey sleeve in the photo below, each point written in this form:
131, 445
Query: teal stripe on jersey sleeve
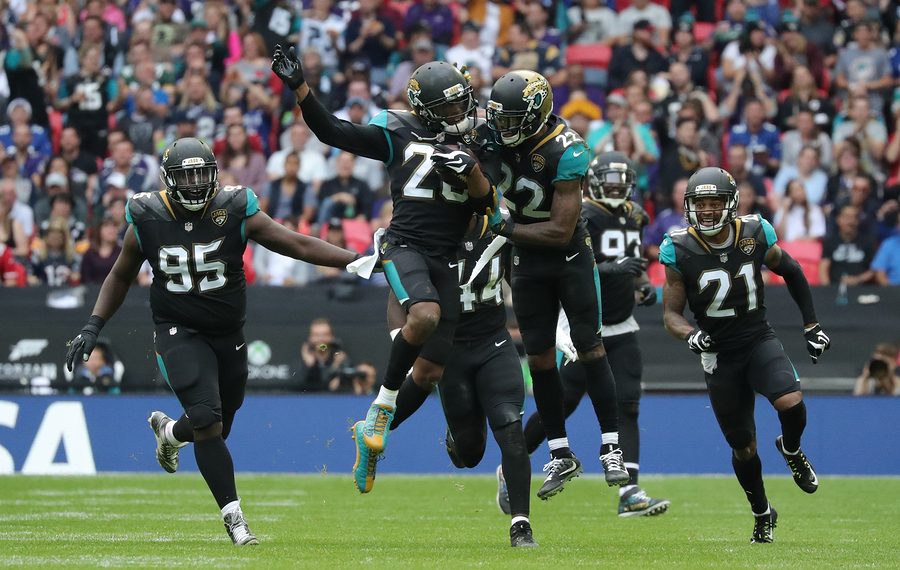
130, 220
667, 253
769, 231
574, 162
252, 203
381, 120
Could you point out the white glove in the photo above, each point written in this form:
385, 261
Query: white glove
709, 361
564, 339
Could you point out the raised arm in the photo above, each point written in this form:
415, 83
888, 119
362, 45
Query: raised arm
275, 237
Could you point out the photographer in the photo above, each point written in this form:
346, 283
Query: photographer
879, 377
321, 358
358, 380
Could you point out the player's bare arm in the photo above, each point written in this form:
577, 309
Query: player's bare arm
674, 302
275, 237
564, 214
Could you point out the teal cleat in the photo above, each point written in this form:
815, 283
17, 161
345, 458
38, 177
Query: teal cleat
366, 460
637, 503
377, 426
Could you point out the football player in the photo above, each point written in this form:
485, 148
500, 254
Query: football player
430, 217
483, 379
193, 233
539, 165
615, 224
715, 266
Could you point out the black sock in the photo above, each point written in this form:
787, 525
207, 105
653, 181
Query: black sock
749, 475
572, 381
534, 433
214, 462
548, 396
630, 438
409, 399
516, 466
793, 422
400, 360
601, 387
183, 430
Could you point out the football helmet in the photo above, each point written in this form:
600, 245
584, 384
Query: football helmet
189, 172
611, 179
520, 104
442, 98
711, 182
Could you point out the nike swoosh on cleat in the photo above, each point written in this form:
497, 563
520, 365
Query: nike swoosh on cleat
501, 343
240, 346
571, 257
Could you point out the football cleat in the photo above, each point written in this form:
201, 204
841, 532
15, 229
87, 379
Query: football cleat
166, 453
366, 460
614, 467
237, 529
636, 503
376, 427
804, 475
520, 535
451, 451
502, 492
561, 470
764, 527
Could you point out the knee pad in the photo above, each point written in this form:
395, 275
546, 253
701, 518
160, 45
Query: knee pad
630, 408
739, 439
202, 416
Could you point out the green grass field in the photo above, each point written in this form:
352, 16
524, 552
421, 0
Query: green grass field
437, 522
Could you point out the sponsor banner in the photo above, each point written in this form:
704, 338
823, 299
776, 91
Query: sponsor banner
310, 434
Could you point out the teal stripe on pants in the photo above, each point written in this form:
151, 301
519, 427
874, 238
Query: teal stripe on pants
162, 368
599, 301
394, 281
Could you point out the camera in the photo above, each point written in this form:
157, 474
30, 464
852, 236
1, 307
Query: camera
877, 367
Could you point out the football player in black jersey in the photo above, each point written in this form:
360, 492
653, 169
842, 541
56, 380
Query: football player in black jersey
483, 378
715, 266
430, 218
539, 165
193, 233
615, 224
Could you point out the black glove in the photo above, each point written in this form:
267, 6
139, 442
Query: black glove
502, 226
288, 68
453, 166
817, 342
648, 295
81, 347
623, 266
699, 341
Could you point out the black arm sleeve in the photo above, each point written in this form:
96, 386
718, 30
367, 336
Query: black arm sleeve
369, 141
797, 285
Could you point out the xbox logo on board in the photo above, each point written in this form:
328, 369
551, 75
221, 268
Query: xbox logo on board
258, 353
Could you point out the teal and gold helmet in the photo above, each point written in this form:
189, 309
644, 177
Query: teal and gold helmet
711, 183
442, 98
520, 104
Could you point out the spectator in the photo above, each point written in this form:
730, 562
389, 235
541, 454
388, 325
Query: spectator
371, 34
592, 22
169, 30
794, 50
537, 14
82, 165
522, 51
278, 270
96, 375
685, 50
798, 219
87, 99
682, 156
56, 184
750, 203
116, 189
98, 260
287, 196
433, 14
344, 196
359, 91
817, 29
145, 75
579, 113
669, 219
18, 111
422, 52
866, 130
731, 28
495, 18
247, 165
313, 168
15, 210
886, 264
639, 54
879, 376
847, 254
143, 127
738, 166
321, 357
322, 30
198, 104
892, 152
760, 137
683, 89
62, 207
22, 62
658, 18
334, 234
276, 22
139, 170
864, 68
359, 381
12, 233
805, 135
751, 53
849, 168
53, 259
575, 81
254, 67
470, 51
807, 171
29, 161
12, 274
804, 95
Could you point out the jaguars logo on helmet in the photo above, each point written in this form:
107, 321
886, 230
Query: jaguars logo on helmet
520, 104
190, 173
711, 182
442, 98
611, 179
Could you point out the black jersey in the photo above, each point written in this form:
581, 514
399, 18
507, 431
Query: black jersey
429, 214
482, 312
724, 286
197, 260
615, 233
528, 172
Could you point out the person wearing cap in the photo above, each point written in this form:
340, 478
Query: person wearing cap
592, 22
794, 50
18, 112
522, 51
864, 68
433, 14
659, 18
579, 112
470, 51
685, 50
641, 54
371, 34
322, 30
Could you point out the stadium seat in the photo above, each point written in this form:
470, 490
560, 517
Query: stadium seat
357, 234
808, 254
589, 55
656, 272
703, 31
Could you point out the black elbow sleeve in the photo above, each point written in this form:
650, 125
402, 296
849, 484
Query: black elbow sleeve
797, 286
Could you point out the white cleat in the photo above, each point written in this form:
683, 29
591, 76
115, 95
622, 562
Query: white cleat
237, 529
166, 453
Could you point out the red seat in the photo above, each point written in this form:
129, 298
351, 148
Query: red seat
656, 272
589, 55
808, 254
703, 31
357, 234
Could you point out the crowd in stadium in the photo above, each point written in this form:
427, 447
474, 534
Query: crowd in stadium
799, 100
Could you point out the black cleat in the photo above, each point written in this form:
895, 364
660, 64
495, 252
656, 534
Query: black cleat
520, 535
561, 471
451, 451
804, 475
614, 466
764, 527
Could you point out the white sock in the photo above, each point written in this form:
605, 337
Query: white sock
169, 435
232, 507
762, 514
386, 397
519, 518
786, 449
394, 333
611, 438
558, 443
625, 489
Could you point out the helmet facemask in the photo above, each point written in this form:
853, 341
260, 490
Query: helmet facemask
613, 185
455, 113
191, 185
711, 221
511, 127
